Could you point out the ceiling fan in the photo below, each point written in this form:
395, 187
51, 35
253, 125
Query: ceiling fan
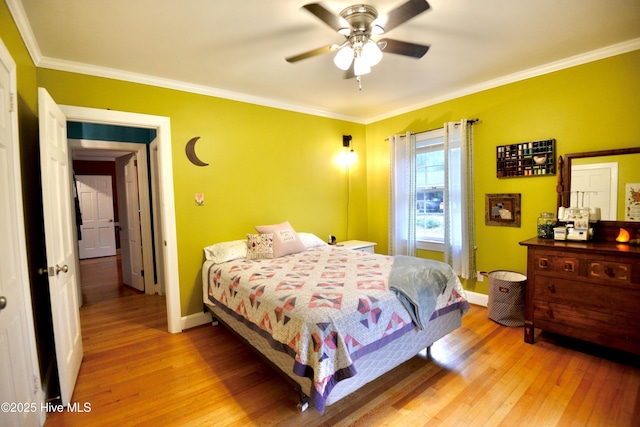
358, 24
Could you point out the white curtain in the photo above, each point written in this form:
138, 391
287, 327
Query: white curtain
459, 235
402, 195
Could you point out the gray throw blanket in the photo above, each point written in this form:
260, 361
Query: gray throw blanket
417, 283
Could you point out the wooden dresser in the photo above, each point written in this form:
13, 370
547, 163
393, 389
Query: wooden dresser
584, 290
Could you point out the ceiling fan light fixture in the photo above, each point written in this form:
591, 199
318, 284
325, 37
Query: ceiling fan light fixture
343, 58
360, 66
371, 53
358, 24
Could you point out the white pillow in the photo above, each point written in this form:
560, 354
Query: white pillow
311, 240
226, 251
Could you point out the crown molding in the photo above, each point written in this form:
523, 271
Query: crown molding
111, 73
24, 28
572, 61
19, 16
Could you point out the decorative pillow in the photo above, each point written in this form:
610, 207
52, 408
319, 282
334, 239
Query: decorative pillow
285, 239
310, 240
259, 246
226, 251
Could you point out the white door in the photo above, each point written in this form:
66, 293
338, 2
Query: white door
60, 241
95, 193
129, 215
596, 186
19, 375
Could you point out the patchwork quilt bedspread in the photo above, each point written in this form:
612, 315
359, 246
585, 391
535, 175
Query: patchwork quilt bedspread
325, 306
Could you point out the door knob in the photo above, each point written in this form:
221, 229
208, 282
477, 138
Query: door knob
3, 302
64, 269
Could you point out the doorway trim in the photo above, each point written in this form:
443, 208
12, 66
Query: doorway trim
165, 180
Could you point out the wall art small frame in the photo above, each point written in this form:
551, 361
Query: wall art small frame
632, 202
502, 209
526, 159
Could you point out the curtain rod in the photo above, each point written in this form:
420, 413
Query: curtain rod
470, 121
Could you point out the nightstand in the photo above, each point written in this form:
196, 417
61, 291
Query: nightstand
357, 245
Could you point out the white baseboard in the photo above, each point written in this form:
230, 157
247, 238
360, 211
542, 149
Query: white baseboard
477, 299
197, 319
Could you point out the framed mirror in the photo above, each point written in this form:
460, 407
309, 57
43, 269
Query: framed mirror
627, 161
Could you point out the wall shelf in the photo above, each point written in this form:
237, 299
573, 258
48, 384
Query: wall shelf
526, 159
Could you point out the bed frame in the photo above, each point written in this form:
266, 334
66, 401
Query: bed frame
370, 366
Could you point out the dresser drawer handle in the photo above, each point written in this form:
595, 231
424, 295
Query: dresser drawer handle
543, 263
568, 266
609, 272
552, 288
550, 313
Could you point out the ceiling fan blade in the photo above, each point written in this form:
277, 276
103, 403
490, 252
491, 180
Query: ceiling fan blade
404, 48
334, 21
314, 52
402, 14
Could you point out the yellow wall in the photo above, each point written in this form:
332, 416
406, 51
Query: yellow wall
269, 165
590, 107
26, 70
265, 166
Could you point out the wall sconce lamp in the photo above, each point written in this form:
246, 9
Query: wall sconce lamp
350, 157
346, 140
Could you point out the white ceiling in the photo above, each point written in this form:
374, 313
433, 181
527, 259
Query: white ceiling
236, 48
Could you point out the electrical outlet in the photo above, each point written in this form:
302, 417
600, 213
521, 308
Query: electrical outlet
479, 276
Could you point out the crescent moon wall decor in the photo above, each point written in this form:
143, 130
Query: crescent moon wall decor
190, 149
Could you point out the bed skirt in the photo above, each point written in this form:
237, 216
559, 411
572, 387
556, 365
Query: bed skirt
369, 367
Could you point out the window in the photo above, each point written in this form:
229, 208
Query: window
431, 195
430, 190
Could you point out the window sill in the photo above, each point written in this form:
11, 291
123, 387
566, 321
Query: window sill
430, 245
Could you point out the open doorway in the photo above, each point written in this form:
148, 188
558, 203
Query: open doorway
128, 166
61, 315
165, 196
113, 214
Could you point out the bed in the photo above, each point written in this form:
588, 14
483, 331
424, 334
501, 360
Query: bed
327, 317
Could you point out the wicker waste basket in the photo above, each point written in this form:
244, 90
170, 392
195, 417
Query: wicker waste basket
507, 291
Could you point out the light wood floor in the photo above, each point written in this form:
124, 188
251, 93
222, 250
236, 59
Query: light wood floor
102, 280
135, 373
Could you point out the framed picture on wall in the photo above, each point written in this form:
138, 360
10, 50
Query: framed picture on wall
632, 202
502, 209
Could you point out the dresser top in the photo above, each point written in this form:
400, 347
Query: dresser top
602, 247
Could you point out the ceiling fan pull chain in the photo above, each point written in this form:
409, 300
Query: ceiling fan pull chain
358, 79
